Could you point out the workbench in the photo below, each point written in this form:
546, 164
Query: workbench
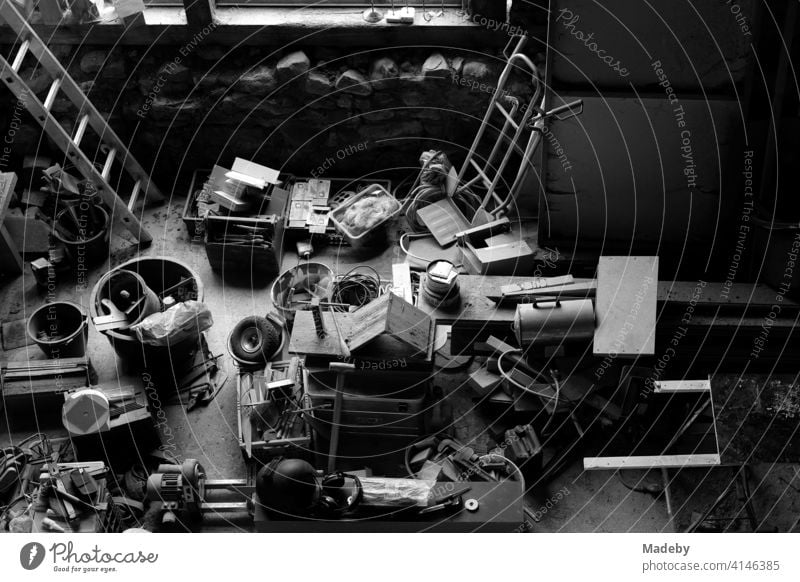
500, 511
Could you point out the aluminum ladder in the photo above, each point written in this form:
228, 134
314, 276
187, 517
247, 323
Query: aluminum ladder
516, 123
88, 116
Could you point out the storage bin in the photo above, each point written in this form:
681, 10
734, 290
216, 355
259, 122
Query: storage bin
374, 236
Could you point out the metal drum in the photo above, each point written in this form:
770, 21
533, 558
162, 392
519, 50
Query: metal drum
554, 321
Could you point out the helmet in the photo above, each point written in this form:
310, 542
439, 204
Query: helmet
288, 486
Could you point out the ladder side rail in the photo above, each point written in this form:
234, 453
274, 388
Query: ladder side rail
70, 88
59, 135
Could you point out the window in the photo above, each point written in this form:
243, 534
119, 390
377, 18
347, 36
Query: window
429, 4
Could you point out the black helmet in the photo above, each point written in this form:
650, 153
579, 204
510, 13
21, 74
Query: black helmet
288, 486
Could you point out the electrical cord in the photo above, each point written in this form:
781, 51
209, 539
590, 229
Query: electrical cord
431, 186
525, 389
555, 406
356, 289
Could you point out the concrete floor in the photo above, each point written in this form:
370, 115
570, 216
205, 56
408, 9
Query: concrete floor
576, 501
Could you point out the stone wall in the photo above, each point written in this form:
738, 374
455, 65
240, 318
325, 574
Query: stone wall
325, 111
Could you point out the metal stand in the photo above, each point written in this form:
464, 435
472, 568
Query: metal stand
517, 123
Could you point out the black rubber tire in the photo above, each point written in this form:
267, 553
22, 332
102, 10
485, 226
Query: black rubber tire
254, 340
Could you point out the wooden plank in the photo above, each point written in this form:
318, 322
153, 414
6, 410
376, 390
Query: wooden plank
671, 386
392, 315
10, 258
401, 281
304, 339
479, 315
650, 462
625, 308
409, 324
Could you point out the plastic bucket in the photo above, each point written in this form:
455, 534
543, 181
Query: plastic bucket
60, 329
83, 245
128, 291
158, 274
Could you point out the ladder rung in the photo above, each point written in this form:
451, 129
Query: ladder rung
52, 93
134, 195
20, 56
507, 115
481, 173
112, 153
81, 131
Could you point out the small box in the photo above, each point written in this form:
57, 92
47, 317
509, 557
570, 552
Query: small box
482, 255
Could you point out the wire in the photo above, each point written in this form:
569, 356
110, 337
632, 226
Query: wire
517, 384
356, 289
555, 405
431, 186
408, 252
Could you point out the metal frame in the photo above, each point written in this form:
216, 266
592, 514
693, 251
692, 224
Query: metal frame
531, 122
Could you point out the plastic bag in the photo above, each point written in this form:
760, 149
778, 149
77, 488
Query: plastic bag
180, 322
396, 493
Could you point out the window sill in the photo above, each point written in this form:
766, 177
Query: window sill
279, 26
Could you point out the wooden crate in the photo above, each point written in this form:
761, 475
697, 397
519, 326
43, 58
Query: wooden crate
33, 392
256, 260
195, 225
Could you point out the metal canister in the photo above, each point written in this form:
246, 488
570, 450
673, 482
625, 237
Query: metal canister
554, 321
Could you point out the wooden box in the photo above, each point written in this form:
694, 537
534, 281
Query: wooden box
230, 252
276, 196
384, 334
33, 391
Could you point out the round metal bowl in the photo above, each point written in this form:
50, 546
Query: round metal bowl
293, 289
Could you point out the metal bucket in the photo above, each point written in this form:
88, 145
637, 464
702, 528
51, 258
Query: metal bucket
555, 321
60, 329
298, 284
82, 247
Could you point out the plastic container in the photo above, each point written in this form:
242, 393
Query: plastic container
374, 236
159, 274
60, 329
127, 290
